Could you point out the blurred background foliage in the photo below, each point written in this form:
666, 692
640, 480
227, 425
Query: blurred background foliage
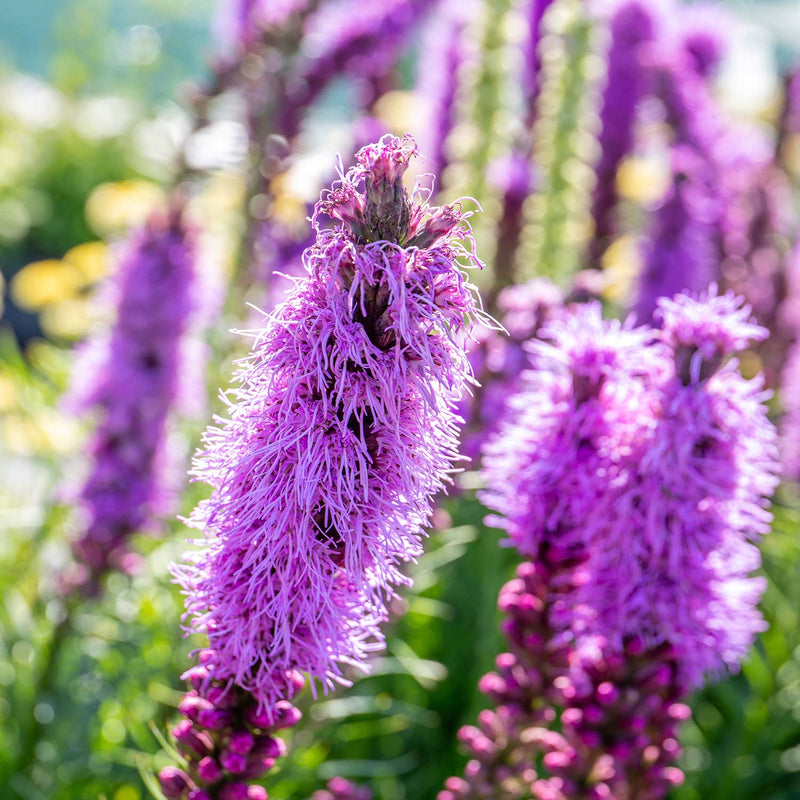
90, 121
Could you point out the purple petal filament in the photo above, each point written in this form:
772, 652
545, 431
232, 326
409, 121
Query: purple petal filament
341, 431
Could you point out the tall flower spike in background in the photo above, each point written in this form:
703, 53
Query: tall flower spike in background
136, 374
340, 433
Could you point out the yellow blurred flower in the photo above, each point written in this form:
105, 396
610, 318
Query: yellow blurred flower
791, 154
397, 110
9, 397
114, 207
622, 262
90, 259
69, 319
43, 282
47, 431
643, 180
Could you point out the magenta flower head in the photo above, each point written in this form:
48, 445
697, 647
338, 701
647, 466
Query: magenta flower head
633, 470
339, 434
572, 431
146, 366
701, 498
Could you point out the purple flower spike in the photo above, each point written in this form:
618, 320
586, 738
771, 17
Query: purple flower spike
443, 52
682, 247
631, 28
633, 469
351, 37
228, 742
341, 432
136, 375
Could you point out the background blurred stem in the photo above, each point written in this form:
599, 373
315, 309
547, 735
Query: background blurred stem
43, 687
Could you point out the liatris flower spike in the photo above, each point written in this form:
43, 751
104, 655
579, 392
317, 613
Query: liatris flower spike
135, 374
339, 435
634, 472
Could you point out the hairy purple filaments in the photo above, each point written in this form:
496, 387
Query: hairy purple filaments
340, 433
134, 375
633, 470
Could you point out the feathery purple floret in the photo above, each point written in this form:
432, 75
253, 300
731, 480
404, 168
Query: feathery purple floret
631, 28
135, 375
339, 435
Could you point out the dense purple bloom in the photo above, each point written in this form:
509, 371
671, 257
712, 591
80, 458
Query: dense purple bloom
616, 715
340, 433
681, 248
135, 374
633, 471
654, 455
631, 28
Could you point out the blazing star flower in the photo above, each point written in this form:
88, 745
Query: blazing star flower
699, 501
340, 433
681, 246
145, 367
631, 28
444, 51
572, 431
633, 470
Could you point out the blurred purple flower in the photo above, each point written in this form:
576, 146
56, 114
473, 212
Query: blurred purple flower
340, 433
631, 27
134, 375
444, 49
534, 11
498, 358
362, 40
239, 24
633, 469
681, 245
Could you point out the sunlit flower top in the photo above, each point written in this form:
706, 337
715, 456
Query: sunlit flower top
339, 434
